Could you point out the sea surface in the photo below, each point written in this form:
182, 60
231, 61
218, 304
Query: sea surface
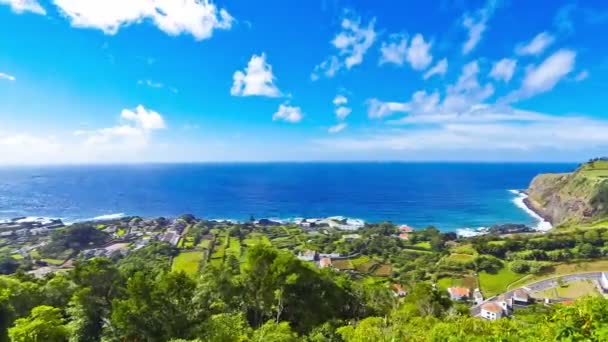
446, 195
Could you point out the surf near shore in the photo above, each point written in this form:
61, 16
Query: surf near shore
523, 202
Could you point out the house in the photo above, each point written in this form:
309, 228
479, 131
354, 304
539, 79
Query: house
404, 236
405, 229
325, 262
459, 293
307, 255
505, 303
477, 297
491, 311
520, 297
398, 290
171, 237
329, 255
604, 282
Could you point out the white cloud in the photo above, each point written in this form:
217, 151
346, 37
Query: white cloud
581, 76
148, 120
439, 69
340, 100
257, 79
548, 133
503, 69
418, 53
537, 45
397, 51
544, 77
133, 132
337, 128
4, 76
20, 6
288, 113
377, 109
150, 83
342, 112
194, 17
352, 43
476, 25
394, 51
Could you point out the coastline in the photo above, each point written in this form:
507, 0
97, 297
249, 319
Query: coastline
523, 201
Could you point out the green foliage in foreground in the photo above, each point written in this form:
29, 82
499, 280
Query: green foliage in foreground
272, 296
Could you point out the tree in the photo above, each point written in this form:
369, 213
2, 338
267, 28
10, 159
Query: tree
226, 328
8, 265
274, 332
44, 324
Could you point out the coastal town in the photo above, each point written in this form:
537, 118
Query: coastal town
217, 241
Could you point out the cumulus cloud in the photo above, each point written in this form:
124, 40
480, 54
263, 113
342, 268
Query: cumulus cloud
256, 80
394, 50
351, 43
476, 25
4, 76
342, 112
199, 18
544, 77
397, 51
377, 109
503, 69
134, 130
536, 46
20, 6
340, 100
288, 113
439, 69
337, 128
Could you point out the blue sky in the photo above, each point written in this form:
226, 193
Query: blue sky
163, 80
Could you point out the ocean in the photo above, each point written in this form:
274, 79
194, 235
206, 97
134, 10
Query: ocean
448, 196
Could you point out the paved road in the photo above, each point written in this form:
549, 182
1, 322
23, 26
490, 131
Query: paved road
542, 285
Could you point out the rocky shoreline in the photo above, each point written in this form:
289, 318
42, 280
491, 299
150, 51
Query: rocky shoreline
538, 211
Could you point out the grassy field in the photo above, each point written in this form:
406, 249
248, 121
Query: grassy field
461, 257
572, 290
382, 270
366, 266
54, 262
360, 260
423, 244
234, 248
464, 249
17, 256
188, 262
561, 269
469, 282
343, 265
255, 238
493, 284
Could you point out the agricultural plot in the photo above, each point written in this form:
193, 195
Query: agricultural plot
572, 290
343, 265
188, 262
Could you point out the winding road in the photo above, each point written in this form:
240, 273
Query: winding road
542, 285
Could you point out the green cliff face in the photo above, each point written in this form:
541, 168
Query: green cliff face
567, 199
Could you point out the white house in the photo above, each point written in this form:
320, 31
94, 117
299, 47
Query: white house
604, 281
491, 311
307, 255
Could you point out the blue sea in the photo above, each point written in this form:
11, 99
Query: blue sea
446, 195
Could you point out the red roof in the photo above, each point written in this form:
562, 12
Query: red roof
459, 291
324, 262
397, 288
492, 307
404, 236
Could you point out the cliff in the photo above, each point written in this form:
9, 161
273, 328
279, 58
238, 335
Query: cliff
567, 199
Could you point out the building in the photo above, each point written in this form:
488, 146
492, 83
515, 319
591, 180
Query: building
404, 236
604, 282
405, 229
459, 293
325, 262
398, 290
307, 255
520, 297
477, 297
491, 311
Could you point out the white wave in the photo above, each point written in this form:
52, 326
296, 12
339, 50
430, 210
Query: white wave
107, 217
542, 225
516, 192
470, 232
31, 219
